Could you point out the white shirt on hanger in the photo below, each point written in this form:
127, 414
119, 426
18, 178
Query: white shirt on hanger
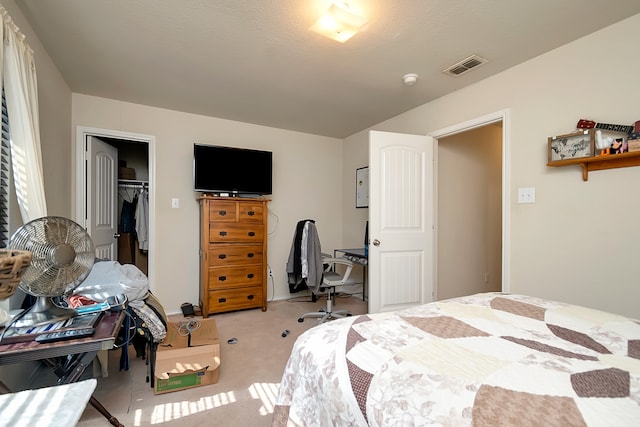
142, 220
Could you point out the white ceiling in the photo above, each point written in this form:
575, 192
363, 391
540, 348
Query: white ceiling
256, 61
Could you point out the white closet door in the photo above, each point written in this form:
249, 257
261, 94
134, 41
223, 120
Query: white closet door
102, 206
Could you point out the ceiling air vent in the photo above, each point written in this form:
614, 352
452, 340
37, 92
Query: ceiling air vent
465, 65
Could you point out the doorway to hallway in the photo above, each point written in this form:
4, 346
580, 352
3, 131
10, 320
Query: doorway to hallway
472, 219
469, 212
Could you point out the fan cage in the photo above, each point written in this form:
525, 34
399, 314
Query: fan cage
62, 256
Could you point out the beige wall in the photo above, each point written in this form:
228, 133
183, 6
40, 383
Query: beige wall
580, 241
307, 183
354, 219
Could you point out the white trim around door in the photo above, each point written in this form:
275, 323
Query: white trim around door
504, 117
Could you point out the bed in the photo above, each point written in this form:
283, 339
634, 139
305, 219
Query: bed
483, 360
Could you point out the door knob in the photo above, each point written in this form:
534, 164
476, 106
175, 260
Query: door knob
376, 242
116, 235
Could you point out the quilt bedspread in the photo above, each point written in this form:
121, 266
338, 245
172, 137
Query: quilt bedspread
483, 360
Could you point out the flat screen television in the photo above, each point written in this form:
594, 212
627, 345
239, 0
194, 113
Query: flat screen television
237, 171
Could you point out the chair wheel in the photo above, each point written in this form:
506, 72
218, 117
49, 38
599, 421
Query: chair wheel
301, 319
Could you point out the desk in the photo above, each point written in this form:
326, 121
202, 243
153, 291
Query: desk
78, 352
357, 256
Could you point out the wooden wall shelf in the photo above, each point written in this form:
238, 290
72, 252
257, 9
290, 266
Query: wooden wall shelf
596, 163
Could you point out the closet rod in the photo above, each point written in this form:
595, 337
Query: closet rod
131, 185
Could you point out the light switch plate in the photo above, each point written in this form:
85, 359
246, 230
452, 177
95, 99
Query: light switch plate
175, 203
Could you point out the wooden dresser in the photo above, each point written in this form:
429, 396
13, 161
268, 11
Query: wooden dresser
233, 254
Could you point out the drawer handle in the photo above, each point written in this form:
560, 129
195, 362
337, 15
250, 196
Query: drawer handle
222, 213
251, 213
222, 256
222, 278
222, 300
250, 255
249, 297
252, 233
250, 275
223, 233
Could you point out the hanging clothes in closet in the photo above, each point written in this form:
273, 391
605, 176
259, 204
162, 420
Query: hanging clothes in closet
128, 215
142, 230
128, 199
142, 220
133, 243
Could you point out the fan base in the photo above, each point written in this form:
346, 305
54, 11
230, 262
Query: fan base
45, 311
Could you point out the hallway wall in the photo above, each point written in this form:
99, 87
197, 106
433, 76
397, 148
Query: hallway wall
469, 217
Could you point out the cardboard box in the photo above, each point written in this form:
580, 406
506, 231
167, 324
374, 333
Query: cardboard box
634, 145
186, 361
126, 173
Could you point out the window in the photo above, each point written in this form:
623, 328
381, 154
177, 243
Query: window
5, 176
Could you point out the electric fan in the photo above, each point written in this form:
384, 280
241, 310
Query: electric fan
62, 257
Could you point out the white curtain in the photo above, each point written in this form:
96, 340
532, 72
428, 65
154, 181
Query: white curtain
21, 93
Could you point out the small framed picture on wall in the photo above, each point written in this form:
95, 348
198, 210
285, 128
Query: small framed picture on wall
362, 187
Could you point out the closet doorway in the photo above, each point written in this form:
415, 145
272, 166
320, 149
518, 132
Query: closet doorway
115, 192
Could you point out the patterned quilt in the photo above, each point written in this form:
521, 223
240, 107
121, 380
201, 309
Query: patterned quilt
483, 360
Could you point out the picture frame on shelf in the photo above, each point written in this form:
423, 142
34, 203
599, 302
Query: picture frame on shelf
571, 146
362, 187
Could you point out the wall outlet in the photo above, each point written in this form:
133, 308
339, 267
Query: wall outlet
526, 195
269, 272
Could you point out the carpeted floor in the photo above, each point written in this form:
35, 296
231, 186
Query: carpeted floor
250, 372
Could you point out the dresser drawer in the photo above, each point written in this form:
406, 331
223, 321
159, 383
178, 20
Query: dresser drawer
228, 255
235, 232
222, 210
233, 277
233, 211
251, 212
235, 299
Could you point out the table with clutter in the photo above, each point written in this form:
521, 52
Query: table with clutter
79, 354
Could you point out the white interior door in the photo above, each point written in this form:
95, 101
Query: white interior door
400, 220
102, 176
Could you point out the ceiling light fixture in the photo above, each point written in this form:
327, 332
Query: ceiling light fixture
339, 23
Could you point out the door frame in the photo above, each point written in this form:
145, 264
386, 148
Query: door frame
503, 116
81, 182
